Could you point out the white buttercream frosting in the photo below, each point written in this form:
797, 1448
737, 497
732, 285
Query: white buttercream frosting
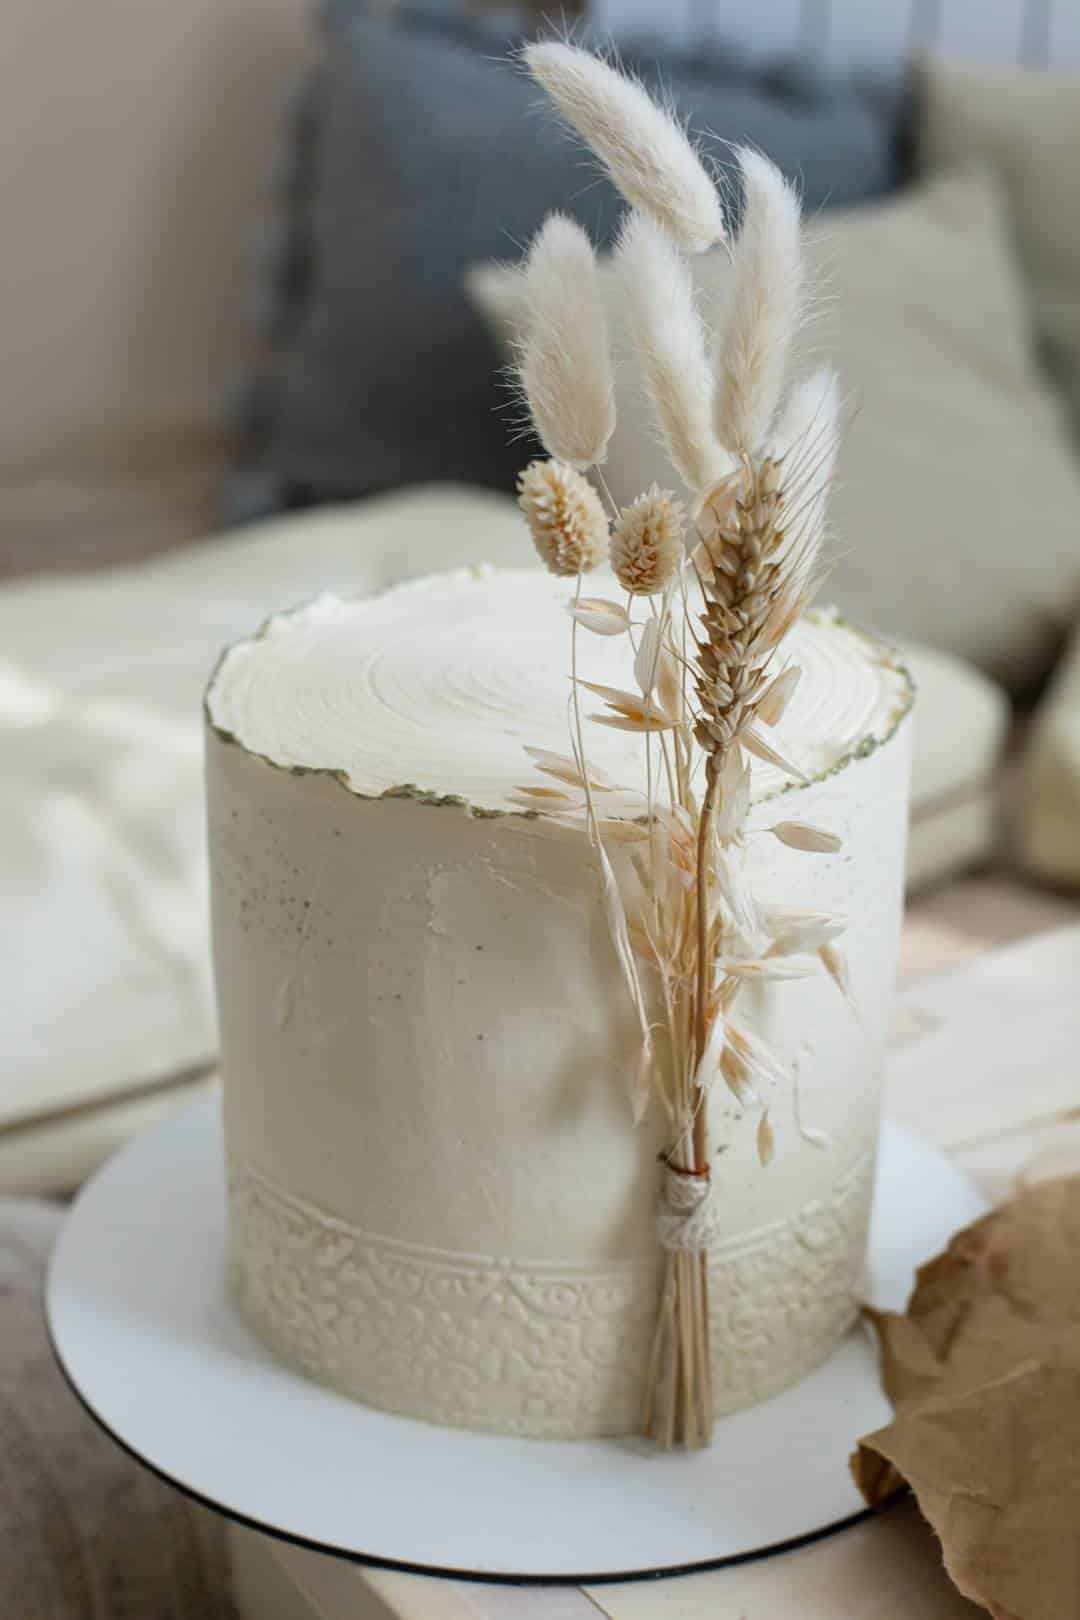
439, 1204
442, 682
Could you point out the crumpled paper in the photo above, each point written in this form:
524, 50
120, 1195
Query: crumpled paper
983, 1372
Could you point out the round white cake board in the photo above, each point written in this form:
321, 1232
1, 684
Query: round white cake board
148, 1336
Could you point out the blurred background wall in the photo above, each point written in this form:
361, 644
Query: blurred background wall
134, 135
135, 138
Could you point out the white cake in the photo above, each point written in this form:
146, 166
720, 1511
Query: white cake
439, 1204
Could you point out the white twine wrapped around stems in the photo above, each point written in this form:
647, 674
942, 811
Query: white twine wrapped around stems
689, 1218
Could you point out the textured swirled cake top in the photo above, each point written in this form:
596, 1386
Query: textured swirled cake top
442, 683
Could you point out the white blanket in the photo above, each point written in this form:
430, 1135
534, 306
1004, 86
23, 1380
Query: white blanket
105, 983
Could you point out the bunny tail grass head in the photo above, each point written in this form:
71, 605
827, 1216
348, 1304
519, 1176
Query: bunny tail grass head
670, 343
565, 517
564, 356
643, 147
766, 307
806, 443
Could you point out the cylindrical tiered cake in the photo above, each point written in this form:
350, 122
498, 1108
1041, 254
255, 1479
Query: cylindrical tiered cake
439, 1204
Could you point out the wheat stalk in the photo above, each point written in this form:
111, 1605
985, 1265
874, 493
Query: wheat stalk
749, 573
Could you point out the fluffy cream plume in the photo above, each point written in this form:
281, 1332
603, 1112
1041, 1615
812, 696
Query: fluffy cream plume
766, 305
644, 149
647, 542
806, 442
806, 434
670, 343
564, 355
566, 520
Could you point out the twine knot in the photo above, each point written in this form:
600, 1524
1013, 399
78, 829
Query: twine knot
688, 1219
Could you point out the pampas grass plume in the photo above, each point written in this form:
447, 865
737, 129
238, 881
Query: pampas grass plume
564, 358
643, 147
806, 444
566, 520
806, 434
670, 343
766, 307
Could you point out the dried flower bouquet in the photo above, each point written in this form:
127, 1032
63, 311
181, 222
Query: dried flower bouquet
710, 596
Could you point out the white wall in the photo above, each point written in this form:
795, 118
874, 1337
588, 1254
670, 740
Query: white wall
138, 138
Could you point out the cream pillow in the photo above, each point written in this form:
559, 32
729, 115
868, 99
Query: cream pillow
1050, 811
956, 515
106, 991
1025, 125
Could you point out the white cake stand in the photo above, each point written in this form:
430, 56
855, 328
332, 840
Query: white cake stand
148, 1337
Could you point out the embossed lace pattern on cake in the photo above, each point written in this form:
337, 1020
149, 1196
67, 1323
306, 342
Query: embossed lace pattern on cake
542, 1349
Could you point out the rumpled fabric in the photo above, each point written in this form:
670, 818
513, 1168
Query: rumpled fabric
983, 1371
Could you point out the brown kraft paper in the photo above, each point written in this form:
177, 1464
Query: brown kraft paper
983, 1372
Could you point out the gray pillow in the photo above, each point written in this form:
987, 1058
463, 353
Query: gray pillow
418, 150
